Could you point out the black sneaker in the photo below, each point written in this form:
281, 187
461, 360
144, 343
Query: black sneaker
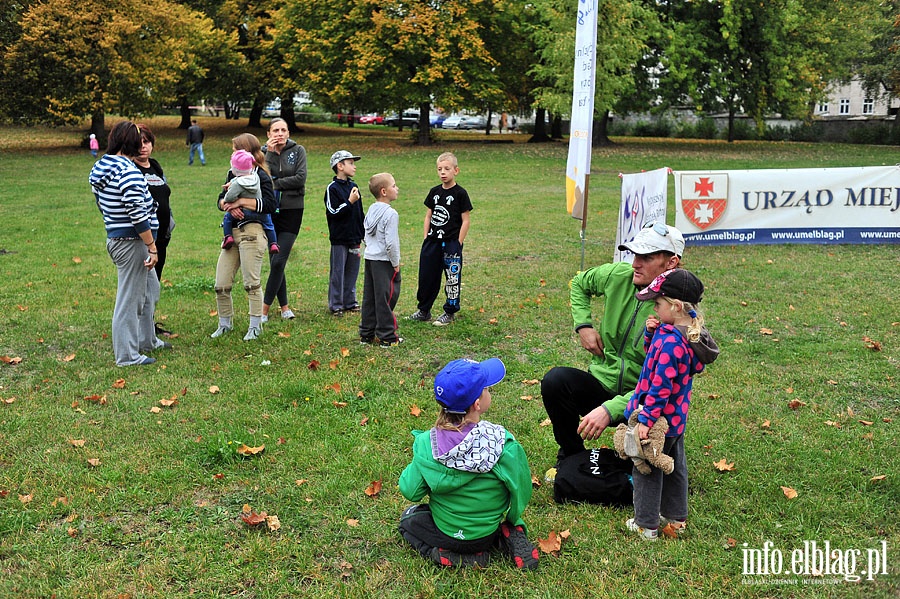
514, 542
452, 559
386, 343
337, 313
443, 320
420, 316
366, 340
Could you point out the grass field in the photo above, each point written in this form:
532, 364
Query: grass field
158, 511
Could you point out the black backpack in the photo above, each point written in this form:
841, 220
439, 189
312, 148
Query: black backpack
594, 476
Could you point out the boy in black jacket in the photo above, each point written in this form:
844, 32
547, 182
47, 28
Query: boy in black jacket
344, 212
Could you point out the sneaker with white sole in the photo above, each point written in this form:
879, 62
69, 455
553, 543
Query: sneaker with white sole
420, 316
220, 331
443, 320
264, 318
287, 315
648, 534
252, 333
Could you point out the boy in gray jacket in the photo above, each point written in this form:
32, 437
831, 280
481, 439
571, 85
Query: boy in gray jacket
381, 286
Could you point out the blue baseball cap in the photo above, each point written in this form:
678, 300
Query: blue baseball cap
461, 382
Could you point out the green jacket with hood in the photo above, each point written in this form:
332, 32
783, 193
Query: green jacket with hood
621, 329
473, 487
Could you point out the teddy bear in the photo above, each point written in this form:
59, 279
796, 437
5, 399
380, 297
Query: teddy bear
644, 453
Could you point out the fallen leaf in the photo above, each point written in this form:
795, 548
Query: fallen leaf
766, 331
730, 543
535, 483
168, 403
25, 499
336, 387
300, 481
795, 404
273, 523
766, 424
339, 404
360, 394
77, 442
723, 466
415, 410
69, 358
832, 423
60, 501
251, 518
10, 361
374, 488
531, 381
364, 421
94, 462
871, 344
155, 410
789, 492
8, 400
352, 522
551, 544
878, 478
334, 363
493, 321
744, 304
789, 390
526, 397
72, 532
119, 384
345, 352
283, 334
542, 282
849, 411
546, 422
888, 420
281, 441
214, 389
831, 382
313, 365
670, 531
218, 476
247, 451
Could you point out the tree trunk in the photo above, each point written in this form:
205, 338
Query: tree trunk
287, 111
600, 136
556, 127
487, 126
540, 127
185, 113
731, 110
423, 137
98, 126
255, 120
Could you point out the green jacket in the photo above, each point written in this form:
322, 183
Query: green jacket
467, 504
621, 329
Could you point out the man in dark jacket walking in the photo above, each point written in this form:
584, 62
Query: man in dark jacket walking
195, 141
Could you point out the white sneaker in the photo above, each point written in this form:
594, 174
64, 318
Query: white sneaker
648, 534
220, 331
264, 318
287, 314
252, 333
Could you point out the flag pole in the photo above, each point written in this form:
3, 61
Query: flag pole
584, 213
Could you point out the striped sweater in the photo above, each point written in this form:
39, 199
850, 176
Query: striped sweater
122, 197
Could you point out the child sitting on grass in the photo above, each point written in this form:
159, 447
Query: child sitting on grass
475, 474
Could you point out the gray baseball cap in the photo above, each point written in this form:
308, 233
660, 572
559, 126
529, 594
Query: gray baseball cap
656, 237
341, 155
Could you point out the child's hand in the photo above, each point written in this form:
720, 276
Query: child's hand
643, 431
652, 323
226, 186
354, 195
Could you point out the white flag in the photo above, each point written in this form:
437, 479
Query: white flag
578, 165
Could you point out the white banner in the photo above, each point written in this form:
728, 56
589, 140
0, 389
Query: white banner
810, 205
578, 165
644, 198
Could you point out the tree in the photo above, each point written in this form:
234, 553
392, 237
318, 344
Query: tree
83, 58
622, 31
396, 53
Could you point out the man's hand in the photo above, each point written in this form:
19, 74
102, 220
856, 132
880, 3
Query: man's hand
593, 424
590, 340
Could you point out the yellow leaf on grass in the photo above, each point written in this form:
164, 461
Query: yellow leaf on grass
789, 492
345, 352
766, 424
77, 442
246, 450
119, 384
273, 523
765, 331
526, 397
94, 462
723, 466
339, 404
415, 410
353, 522
300, 481
214, 389
531, 381
866, 422
155, 410
878, 478
546, 422
833, 423
168, 403
25, 499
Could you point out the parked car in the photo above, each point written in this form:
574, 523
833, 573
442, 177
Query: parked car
437, 120
410, 119
465, 122
472, 122
273, 108
370, 119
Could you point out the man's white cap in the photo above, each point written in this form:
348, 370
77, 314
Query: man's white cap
341, 155
656, 237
